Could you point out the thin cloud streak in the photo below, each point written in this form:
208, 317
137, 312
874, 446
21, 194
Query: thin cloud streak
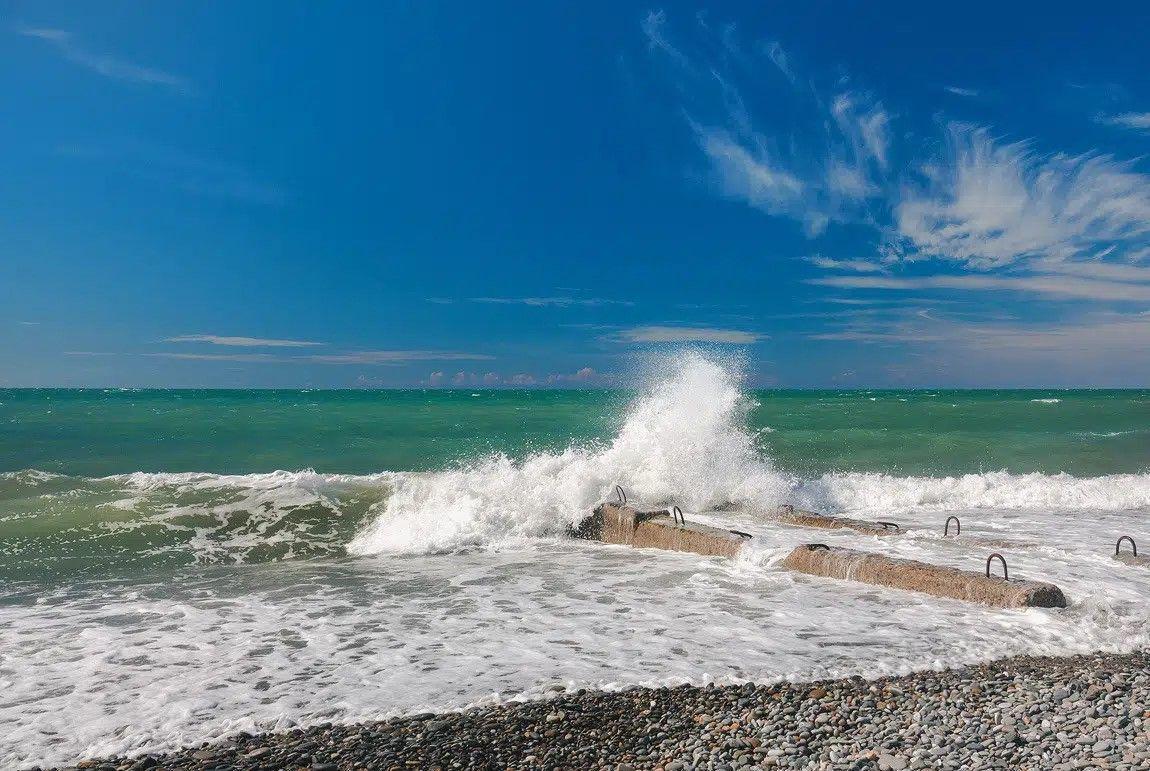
396, 357
672, 334
856, 266
104, 64
1138, 121
1063, 287
249, 342
556, 302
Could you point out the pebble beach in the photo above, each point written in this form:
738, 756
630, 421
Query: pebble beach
1081, 712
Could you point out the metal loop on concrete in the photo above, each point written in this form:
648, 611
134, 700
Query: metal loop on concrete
1005, 573
957, 526
889, 525
1133, 546
813, 546
677, 516
741, 534
621, 494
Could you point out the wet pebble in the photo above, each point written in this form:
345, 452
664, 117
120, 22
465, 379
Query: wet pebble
1024, 712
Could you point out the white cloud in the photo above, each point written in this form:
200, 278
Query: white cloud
995, 204
669, 334
104, 64
968, 92
246, 342
1139, 121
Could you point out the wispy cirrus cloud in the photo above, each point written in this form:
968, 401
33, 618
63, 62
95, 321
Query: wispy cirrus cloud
957, 91
654, 26
685, 334
827, 172
992, 204
554, 302
106, 65
981, 205
780, 59
1138, 121
247, 342
856, 266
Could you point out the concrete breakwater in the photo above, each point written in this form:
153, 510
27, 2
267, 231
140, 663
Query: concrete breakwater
982, 588
1131, 557
802, 518
619, 523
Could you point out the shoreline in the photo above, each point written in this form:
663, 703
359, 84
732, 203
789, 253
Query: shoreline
1038, 712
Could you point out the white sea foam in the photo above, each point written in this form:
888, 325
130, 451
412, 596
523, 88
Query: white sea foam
1046, 401
684, 440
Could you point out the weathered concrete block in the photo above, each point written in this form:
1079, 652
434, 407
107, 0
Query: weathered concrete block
1130, 557
655, 529
852, 565
793, 516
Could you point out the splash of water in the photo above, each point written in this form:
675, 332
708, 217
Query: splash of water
684, 439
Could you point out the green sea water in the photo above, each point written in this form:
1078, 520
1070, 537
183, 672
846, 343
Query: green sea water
929, 433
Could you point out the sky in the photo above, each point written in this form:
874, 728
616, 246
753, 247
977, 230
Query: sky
509, 194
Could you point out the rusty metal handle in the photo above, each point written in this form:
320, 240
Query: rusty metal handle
677, 516
957, 526
1133, 546
1005, 573
889, 525
621, 494
813, 546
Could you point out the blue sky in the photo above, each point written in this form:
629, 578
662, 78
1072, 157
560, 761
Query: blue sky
396, 194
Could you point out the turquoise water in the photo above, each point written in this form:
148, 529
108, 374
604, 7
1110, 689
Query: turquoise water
932, 433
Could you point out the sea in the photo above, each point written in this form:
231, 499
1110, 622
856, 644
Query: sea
180, 565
